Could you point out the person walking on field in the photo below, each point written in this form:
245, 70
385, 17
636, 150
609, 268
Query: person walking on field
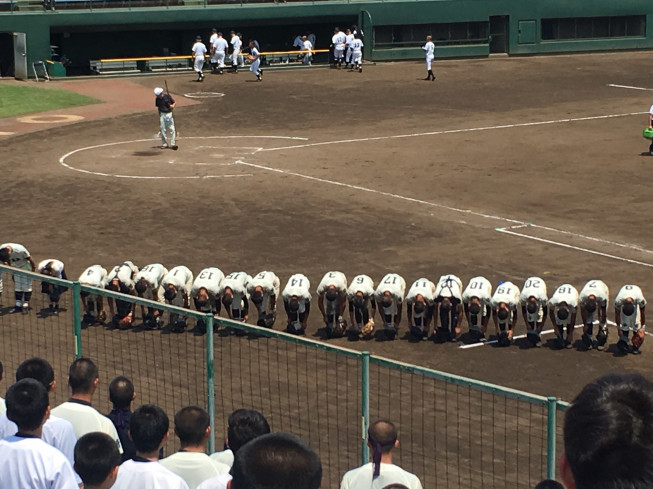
199, 51
165, 103
429, 49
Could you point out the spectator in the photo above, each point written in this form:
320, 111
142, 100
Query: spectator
276, 461
121, 395
192, 426
83, 381
382, 439
549, 484
607, 435
97, 460
25, 459
149, 431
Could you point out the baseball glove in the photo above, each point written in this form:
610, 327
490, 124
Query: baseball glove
637, 340
368, 329
250, 57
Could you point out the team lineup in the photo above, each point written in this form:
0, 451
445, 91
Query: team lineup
434, 310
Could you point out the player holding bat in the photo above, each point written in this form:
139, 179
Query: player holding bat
165, 103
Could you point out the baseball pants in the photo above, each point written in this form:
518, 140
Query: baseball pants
167, 122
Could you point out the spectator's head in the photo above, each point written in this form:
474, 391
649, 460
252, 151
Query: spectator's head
96, 460
245, 425
38, 369
83, 376
608, 435
276, 461
27, 404
381, 438
121, 392
549, 484
395, 485
192, 426
148, 428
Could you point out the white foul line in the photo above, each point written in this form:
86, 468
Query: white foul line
627, 86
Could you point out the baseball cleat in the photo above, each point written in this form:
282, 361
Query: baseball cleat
25, 309
175, 147
17, 309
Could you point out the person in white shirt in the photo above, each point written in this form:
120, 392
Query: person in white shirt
297, 302
212, 40
149, 285
149, 430
650, 126
381, 472
332, 301
349, 38
307, 49
533, 300
198, 52
420, 303
593, 303
25, 459
504, 304
630, 314
16, 255
176, 291
121, 279
563, 306
389, 296
356, 47
429, 51
219, 49
255, 58
97, 460
448, 309
206, 294
236, 45
477, 298
264, 289
52, 268
83, 381
93, 276
234, 297
191, 463
338, 40
3, 405
361, 299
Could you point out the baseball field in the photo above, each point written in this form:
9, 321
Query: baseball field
503, 167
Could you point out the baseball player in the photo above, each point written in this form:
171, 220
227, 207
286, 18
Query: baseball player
212, 39
307, 49
148, 285
263, 289
594, 295
93, 276
360, 295
297, 302
448, 308
429, 50
357, 54
389, 296
533, 300
477, 298
236, 45
219, 48
339, 39
629, 313
206, 294
255, 57
16, 255
332, 300
198, 52
504, 305
349, 38
234, 296
650, 126
165, 103
52, 268
121, 279
563, 306
176, 291
420, 303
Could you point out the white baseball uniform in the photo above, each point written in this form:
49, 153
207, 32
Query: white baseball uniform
365, 285
153, 275
634, 321
534, 287
236, 45
568, 294
449, 286
125, 272
210, 279
396, 285
356, 52
298, 286
270, 284
256, 62
307, 49
199, 51
339, 39
237, 282
425, 288
507, 293
220, 47
478, 287
349, 38
56, 267
598, 289
94, 276
147, 475
339, 280
429, 50
19, 258
182, 279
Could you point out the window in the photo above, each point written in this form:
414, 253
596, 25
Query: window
593, 28
455, 33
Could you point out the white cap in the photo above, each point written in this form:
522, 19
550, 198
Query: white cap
158, 91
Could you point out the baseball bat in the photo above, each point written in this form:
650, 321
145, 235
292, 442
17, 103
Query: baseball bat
166, 83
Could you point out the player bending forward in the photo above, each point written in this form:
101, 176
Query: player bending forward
205, 292
16, 255
533, 300
121, 279
149, 285
332, 301
420, 303
594, 295
563, 306
360, 296
176, 286
93, 276
504, 312
264, 290
297, 301
629, 314
448, 308
235, 298
389, 296
476, 303
52, 268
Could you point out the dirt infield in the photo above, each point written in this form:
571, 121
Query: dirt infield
505, 168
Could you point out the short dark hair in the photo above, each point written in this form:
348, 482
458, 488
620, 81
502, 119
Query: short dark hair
141, 286
190, 425
279, 461
81, 374
38, 369
244, 425
27, 401
121, 392
384, 433
148, 426
548, 484
96, 455
4, 255
607, 433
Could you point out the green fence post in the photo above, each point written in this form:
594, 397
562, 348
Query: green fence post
77, 318
210, 387
365, 405
551, 438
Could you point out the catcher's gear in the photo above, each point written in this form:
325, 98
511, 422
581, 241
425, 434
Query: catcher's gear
637, 340
532, 337
587, 340
367, 330
622, 344
602, 336
504, 339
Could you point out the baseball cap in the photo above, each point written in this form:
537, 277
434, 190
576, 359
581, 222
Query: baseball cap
158, 91
198, 38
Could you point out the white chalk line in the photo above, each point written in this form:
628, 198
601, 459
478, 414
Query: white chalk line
455, 131
628, 86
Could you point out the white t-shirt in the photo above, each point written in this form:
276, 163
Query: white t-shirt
199, 49
56, 268
423, 287
217, 482
194, 467
147, 475
363, 284
449, 286
32, 463
478, 287
650, 111
86, 419
210, 278
306, 46
3, 406
224, 457
94, 276
19, 255
220, 45
361, 478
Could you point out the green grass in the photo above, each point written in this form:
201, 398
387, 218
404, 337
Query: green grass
16, 100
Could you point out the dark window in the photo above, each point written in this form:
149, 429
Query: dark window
593, 27
455, 33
